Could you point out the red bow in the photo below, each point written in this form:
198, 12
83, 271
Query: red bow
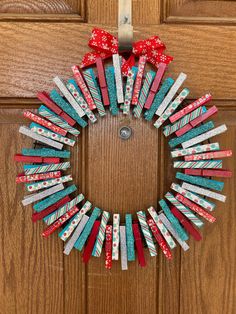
105, 45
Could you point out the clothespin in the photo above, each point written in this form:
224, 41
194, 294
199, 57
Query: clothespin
108, 247
195, 150
118, 79
123, 248
45, 152
201, 212
21, 178
139, 77
110, 78
44, 97
36, 159
160, 240
155, 85
115, 237
129, 237
42, 139
50, 209
139, 245
97, 250
194, 105
69, 228
146, 232
48, 183
102, 81
32, 169
83, 87
79, 229
204, 192
209, 173
211, 164
90, 243
204, 156
129, 89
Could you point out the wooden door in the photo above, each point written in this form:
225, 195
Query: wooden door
41, 39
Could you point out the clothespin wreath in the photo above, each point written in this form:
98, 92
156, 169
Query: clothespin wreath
125, 87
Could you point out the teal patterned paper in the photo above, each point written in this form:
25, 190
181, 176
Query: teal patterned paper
174, 221
45, 152
65, 106
165, 87
191, 134
79, 244
207, 183
52, 199
110, 78
129, 238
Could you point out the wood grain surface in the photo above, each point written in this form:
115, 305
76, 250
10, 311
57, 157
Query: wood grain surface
116, 175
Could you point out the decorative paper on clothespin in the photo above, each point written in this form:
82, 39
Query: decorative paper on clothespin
155, 85
129, 89
195, 150
48, 183
68, 96
203, 137
184, 210
208, 183
118, 78
181, 78
71, 242
190, 135
161, 227
193, 197
174, 233
44, 97
147, 235
85, 234
51, 167
123, 249
62, 210
139, 77
195, 208
62, 103
143, 94
69, 228
81, 83
26, 131
54, 198
37, 177
139, 245
90, 243
211, 155
90, 79
36, 159
197, 103
198, 164
75, 91
54, 136
172, 107
129, 237
110, 77
205, 192
108, 247
38, 196
115, 237
97, 250
160, 240
149, 114
102, 81
181, 232
45, 152
209, 173
210, 112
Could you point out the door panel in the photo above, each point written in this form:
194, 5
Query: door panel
41, 39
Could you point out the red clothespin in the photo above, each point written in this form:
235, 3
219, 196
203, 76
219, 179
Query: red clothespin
199, 210
91, 241
22, 178
160, 240
187, 225
82, 85
139, 245
155, 85
213, 110
108, 247
40, 215
102, 81
35, 159
217, 173
45, 98
193, 172
183, 130
59, 222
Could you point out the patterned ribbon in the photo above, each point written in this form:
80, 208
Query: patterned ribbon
105, 45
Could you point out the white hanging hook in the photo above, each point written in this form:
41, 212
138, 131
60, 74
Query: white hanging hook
125, 28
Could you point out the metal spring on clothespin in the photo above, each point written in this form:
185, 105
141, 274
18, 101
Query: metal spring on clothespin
125, 28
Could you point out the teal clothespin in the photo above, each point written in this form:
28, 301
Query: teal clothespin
129, 238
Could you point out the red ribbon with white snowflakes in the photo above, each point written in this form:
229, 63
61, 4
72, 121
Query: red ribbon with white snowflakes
105, 45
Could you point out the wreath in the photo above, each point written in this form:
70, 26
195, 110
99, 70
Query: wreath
128, 88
